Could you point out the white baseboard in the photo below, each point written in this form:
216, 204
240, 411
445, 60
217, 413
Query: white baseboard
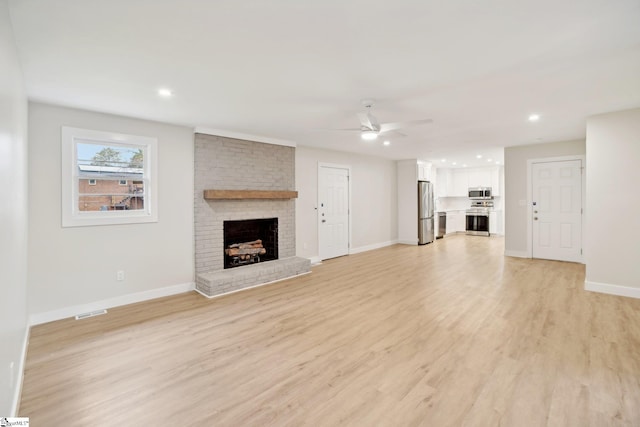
606, 288
17, 392
408, 242
373, 246
315, 260
517, 254
251, 287
63, 313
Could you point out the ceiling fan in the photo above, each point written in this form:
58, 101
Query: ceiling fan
370, 127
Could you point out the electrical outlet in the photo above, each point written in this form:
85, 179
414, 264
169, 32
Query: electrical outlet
120, 275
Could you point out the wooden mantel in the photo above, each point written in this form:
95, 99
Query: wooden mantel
248, 194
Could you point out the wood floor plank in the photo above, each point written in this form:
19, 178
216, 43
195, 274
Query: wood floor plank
452, 333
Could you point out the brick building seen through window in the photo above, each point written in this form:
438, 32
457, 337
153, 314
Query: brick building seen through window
112, 189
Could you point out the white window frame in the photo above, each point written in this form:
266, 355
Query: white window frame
122, 182
92, 181
71, 215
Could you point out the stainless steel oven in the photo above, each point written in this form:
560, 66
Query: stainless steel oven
477, 222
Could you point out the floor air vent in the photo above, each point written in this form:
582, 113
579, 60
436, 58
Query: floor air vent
90, 314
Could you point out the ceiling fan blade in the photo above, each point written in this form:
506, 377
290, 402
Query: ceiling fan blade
365, 120
341, 129
396, 133
386, 127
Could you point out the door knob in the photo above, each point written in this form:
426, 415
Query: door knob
535, 211
324, 220
535, 218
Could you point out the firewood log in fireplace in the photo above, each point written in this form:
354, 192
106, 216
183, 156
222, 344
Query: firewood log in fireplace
245, 251
247, 245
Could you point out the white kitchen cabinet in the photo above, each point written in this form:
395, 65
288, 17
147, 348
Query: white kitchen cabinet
456, 182
462, 222
460, 187
496, 225
495, 181
480, 177
443, 182
451, 222
436, 222
485, 177
456, 221
493, 222
424, 171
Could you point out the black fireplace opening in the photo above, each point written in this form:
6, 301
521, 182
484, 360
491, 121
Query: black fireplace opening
250, 241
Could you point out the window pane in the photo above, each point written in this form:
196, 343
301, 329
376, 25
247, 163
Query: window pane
109, 177
109, 157
109, 195
91, 203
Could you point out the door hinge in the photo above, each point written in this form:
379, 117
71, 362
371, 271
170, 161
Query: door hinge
581, 211
580, 251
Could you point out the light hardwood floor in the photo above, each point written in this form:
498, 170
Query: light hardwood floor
446, 334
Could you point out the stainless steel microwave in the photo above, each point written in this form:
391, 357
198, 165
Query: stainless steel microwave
480, 193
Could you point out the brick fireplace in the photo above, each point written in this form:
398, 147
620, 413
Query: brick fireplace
255, 169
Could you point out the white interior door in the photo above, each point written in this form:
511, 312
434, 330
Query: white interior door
333, 211
557, 210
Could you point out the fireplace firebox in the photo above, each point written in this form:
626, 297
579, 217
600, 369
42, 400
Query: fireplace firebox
250, 241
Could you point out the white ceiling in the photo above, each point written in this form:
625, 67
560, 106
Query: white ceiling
288, 69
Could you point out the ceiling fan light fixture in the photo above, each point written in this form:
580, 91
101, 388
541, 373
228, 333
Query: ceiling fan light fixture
369, 135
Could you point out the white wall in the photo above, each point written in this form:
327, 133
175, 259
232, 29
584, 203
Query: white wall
407, 212
72, 268
13, 217
613, 175
515, 185
373, 199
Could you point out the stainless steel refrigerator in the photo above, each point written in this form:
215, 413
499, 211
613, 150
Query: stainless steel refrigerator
425, 212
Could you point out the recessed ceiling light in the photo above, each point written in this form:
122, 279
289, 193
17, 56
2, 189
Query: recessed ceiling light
464, 165
534, 117
386, 143
369, 135
479, 156
497, 162
489, 160
454, 163
165, 93
443, 160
